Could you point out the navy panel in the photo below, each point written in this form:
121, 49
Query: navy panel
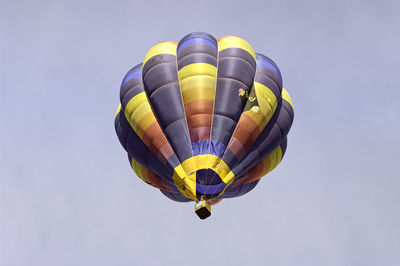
269, 65
175, 196
207, 177
158, 60
284, 146
158, 76
197, 58
222, 129
131, 85
239, 190
271, 84
138, 150
288, 108
130, 77
227, 100
121, 128
235, 68
197, 37
167, 104
209, 191
239, 53
230, 158
246, 163
173, 161
131, 93
179, 139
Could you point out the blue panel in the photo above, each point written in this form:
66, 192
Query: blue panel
175, 196
131, 76
207, 177
208, 147
196, 40
240, 190
210, 191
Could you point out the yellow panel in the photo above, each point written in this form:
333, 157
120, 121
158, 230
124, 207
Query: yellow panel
272, 161
197, 69
213, 162
141, 111
259, 118
161, 48
135, 102
138, 169
199, 87
183, 178
186, 183
118, 110
286, 97
133, 165
266, 167
140, 173
193, 82
146, 121
143, 116
198, 93
278, 156
138, 108
235, 42
189, 165
266, 99
198, 81
228, 180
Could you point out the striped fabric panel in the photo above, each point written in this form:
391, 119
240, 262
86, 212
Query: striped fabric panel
197, 70
236, 68
142, 120
137, 150
161, 84
262, 168
261, 104
175, 196
272, 136
198, 89
239, 190
149, 176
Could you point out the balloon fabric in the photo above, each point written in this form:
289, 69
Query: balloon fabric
204, 119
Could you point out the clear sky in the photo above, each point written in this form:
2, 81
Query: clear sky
68, 195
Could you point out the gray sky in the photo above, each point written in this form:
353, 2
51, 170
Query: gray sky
69, 197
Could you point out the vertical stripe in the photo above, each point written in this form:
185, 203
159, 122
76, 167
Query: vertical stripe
197, 65
236, 70
162, 87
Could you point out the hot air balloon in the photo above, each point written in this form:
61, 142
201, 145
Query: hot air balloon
204, 119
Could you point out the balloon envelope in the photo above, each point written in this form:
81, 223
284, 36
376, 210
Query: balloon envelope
204, 118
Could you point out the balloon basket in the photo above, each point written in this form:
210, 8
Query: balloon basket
203, 209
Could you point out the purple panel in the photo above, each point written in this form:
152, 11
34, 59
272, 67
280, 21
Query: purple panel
209, 191
239, 190
207, 177
175, 196
208, 147
138, 150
